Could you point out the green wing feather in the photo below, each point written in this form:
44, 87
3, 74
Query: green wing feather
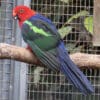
44, 40
46, 57
42, 43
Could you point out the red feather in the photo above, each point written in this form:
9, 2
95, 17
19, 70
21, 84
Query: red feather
23, 13
29, 48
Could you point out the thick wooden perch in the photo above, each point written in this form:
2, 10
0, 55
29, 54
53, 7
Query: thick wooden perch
21, 54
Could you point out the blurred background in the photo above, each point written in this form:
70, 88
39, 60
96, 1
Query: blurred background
74, 21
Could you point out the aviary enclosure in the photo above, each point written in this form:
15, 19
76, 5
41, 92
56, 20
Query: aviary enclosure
74, 21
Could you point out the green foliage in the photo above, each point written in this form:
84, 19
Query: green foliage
64, 31
75, 16
88, 24
76, 46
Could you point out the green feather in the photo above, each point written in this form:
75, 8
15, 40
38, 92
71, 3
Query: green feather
36, 29
88, 23
45, 56
44, 40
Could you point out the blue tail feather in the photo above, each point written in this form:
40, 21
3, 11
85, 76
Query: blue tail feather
72, 72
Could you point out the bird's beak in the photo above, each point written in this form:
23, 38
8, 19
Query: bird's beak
14, 15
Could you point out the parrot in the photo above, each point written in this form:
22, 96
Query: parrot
43, 38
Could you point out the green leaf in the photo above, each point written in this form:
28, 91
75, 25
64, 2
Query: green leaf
64, 31
79, 14
88, 24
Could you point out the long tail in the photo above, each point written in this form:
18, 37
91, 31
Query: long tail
71, 71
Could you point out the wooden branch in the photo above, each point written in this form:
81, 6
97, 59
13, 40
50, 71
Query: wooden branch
8, 51
21, 54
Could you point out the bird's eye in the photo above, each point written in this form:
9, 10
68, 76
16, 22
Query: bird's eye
21, 10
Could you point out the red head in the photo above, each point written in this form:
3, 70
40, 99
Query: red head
22, 13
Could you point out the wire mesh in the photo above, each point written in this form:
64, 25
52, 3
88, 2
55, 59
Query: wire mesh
76, 16
6, 35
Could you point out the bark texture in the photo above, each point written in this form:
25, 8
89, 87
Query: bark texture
83, 60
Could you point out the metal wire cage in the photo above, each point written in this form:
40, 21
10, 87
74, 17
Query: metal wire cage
75, 19
6, 36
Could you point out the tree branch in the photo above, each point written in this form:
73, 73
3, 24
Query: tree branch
8, 51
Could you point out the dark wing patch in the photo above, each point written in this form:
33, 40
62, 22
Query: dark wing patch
47, 58
43, 35
42, 45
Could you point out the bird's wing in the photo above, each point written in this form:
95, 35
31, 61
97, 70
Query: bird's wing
46, 57
44, 34
43, 40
